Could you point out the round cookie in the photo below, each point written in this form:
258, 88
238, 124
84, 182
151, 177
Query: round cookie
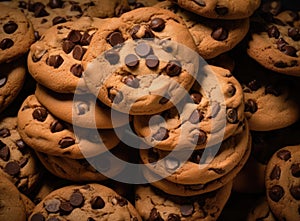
55, 60
136, 67
17, 161
45, 133
225, 9
207, 118
12, 206
196, 189
270, 98
275, 45
261, 212
211, 38
200, 167
282, 183
153, 204
88, 202
11, 81
83, 110
16, 34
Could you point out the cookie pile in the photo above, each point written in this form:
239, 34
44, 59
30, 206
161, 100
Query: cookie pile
202, 95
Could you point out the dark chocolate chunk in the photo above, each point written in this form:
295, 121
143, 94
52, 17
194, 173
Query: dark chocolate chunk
76, 70
276, 193
121, 201
55, 61
6, 43
157, 24
131, 81
196, 97
55, 3
215, 108
4, 151
12, 168
154, 215
289, 50
219, 34
273, 32
232, 115
200, 2
23, 162
76, 8
68, 46
143, 49
37, 35
65, 208
186, 210
161, 134
295, 192
112, 56
134, 30
58, 20
78, 52
196, 116
171, 163
131, 60
56, 126
76, 199
276, 172
173, 68
22, 4
294, 33
115, 95
295, 169
221, 10
173, 217
21, 145
231, 90
37, 217
40, 114
85, 39
152, 61
52, 205
284, 155
97, 203
66, 142
4, 132
10, 27
200, 138
39, 10
74, 36
250, 106
164, 99
115, 38
3, 81
280, 64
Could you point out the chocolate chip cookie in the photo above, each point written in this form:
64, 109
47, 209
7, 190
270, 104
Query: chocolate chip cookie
16, 34
200, 167
282, 183
12, 79
261, 211
45, 133
220, 9
275, 43
212, 38
208, 116
87, 202
153, 204
17, 160
55, 60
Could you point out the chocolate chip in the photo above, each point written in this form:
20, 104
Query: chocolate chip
200, 2
10, 27
171, 163
112, 56
4, 132
74, 36
97, 203
295, 192
4, 151
276, 172
85, 39
221, 10
152, 61
217, 170
37, 217
254, 85
161, 134
273, 32
44, 20
52, 205
115, 38
196, 97
55, 3
134, 30
271, 90
39, 10
3, 81
276, 193
131, 81
40, 114
289, 50
295, 170
231, 90
173, 68
22, 4
78, 52
284, 155
120, 201
23, 162
199, 138
215, 108
58, 20
281, 43
115, 95
196, 116
66, 142
164, 99
12, 168
250, 106
196, 156
37, 35
76, 199
90, 219
131, 60
219, 34
76, 8
186, 210
143, 49
65, 208
76, 70
56, 126
68, 46
173, 217
157, 24
55, 61
154, 215
280, 64
294, 33
6, 43
82, 108
232, 115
